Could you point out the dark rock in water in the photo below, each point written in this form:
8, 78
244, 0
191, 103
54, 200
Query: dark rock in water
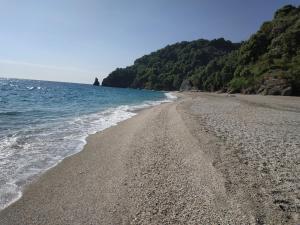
186, 85
96, 82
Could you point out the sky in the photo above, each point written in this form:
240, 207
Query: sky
77, 40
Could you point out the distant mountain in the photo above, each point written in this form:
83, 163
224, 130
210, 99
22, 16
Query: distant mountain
267, 63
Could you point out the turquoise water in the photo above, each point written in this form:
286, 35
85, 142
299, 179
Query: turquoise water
43, 122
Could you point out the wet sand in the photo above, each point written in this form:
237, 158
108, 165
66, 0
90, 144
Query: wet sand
204, 159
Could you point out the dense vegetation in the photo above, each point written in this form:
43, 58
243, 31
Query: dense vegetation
268, 63
166, 68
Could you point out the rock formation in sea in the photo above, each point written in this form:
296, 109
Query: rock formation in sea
96, 82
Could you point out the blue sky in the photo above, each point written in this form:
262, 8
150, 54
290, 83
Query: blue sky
76, 40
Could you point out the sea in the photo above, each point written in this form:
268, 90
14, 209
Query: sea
43, 122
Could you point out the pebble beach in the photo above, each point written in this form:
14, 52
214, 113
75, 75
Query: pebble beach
202, 159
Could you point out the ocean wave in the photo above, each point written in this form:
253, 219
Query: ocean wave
9, 193
170, 96
12, 113
33, 88
17, 113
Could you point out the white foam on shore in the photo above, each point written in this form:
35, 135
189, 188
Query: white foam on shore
25, 157
170, 96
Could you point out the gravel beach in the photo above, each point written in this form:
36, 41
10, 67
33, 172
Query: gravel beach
203, 159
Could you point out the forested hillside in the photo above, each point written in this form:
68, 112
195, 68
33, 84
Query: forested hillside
166, 68
267, 63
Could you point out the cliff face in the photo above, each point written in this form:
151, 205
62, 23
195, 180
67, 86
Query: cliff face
267, 63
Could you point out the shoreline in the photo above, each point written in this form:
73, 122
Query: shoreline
170, 96
136, 173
